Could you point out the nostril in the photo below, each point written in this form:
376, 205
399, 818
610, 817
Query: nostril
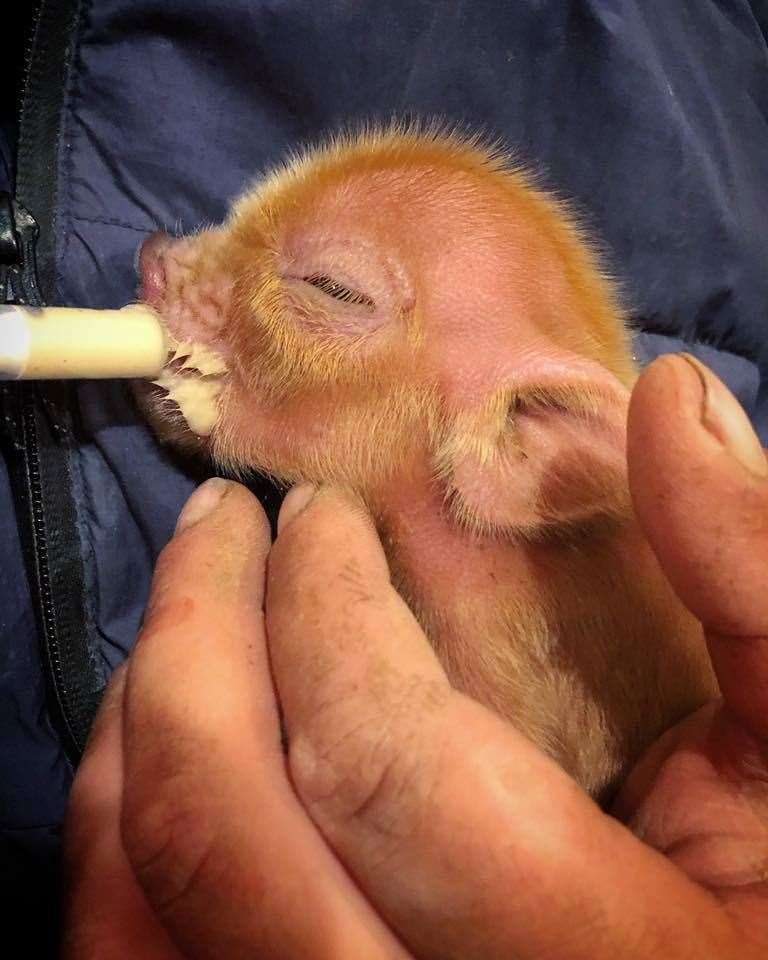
151, 267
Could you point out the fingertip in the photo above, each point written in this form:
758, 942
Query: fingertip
217, 557
726, 421
241, 507
322, 527
296, 500
324, 504
662, 431
683, 417
698, 485
202, 502
223, 503
666, 389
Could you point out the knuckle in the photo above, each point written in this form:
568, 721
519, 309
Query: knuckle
175, 849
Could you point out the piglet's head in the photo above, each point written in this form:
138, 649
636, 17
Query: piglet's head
396, 306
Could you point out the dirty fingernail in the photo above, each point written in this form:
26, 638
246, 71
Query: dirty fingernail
205, 499
296, 500
724, 417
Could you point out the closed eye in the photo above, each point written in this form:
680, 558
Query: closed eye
338, 291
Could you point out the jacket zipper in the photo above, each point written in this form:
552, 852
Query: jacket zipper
47, 610
18, 254
37, 421
18, 283
18, 280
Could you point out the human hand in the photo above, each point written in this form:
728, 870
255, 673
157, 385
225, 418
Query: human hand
407, 820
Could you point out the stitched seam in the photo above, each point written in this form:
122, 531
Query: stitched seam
83, 499
111, 223
66, 142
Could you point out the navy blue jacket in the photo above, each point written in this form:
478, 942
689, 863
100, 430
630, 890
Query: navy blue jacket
652, 116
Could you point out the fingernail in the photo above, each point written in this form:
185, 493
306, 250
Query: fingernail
724, 417
207, 496
296, 500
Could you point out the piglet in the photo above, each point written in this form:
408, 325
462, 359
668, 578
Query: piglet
404, 313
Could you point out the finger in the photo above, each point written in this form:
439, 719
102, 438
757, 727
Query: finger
469, 841
699, 482
107, 916
223, 850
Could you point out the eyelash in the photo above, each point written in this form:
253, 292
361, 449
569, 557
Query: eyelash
338, 291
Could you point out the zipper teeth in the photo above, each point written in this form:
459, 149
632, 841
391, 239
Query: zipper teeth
60, 614
47, 607
49, 62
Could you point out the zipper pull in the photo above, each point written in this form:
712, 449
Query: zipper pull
9, 245
19, 285
18, 265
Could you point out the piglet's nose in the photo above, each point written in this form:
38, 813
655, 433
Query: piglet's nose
151, 267
155, 243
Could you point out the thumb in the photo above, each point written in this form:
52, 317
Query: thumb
699, 482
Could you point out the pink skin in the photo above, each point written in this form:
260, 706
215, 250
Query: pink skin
197, 311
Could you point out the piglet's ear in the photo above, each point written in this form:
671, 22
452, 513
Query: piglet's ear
527, 464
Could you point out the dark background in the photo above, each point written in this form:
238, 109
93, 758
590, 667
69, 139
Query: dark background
16, 35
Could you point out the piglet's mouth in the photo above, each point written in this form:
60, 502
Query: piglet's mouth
193, 379
194, 360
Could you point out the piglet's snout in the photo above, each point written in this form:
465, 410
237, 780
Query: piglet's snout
151, 268
183, 284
